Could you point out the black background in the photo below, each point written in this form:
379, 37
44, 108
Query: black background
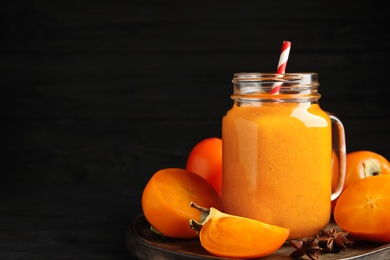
98, 95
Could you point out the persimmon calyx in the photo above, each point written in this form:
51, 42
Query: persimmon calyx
205, 215
372, 167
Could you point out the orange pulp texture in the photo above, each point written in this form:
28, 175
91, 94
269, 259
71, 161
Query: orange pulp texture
277, 165
232, 236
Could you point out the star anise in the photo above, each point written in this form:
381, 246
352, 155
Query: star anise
306, 246
333, 240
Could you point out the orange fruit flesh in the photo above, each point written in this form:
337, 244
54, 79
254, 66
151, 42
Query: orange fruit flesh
232, 236
166, 201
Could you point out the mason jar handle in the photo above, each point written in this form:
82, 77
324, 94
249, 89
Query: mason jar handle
338, 143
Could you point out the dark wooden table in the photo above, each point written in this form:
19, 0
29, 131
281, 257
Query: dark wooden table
65, 221
96, 96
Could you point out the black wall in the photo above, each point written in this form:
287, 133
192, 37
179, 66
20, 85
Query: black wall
105, 90
108, 92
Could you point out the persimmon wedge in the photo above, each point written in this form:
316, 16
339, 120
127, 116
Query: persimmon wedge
363, 209
167, 197
231, 236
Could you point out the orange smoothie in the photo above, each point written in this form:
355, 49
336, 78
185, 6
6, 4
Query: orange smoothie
277, 164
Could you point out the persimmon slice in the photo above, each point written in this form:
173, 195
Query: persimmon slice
363, 209
167, 197
228, 235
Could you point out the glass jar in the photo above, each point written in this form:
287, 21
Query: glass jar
278, 151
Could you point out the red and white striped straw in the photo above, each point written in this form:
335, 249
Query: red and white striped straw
282, 64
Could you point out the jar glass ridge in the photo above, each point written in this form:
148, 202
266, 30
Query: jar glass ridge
251, 86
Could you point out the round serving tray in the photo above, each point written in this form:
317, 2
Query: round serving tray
147, 245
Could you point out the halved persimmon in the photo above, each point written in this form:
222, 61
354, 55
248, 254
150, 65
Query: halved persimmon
231, 236
167, 197
363, 209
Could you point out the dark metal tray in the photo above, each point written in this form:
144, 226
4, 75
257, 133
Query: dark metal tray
146, 245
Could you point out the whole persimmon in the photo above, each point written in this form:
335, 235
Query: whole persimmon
167, 197
205, 159
361, 164
363, 209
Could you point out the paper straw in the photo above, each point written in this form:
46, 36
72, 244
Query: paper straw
282, 64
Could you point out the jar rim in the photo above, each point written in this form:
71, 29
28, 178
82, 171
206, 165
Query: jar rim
266, 76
